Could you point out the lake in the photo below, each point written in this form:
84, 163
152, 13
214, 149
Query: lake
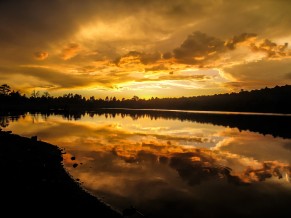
173, 163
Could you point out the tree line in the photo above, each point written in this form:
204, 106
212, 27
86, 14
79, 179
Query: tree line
272, 100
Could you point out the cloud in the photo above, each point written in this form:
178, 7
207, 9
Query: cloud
197, 167
267, 170
38, 23
69, 51
202, 50
143, 37
231, 44
287, 145
199, 48
272, 18
260, 73
144, 58
115, 151
167, 55
159, 67
160, 173
45, 76
271, 49
288, 76
184, 77
41, 55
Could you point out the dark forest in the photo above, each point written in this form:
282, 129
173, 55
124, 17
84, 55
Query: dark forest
266, 100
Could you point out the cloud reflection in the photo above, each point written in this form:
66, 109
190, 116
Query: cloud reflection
156, 163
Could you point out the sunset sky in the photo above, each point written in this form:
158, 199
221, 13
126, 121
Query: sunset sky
159, 48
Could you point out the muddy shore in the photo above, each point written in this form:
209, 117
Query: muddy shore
34, 182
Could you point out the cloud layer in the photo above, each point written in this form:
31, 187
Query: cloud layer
119, 43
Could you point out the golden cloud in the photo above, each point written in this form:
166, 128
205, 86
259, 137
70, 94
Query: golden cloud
267, 170
272, 49
41, 55
144, 58
158, 67
69, 51
259, 74
202, 50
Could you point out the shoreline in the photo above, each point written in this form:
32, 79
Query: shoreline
34, 181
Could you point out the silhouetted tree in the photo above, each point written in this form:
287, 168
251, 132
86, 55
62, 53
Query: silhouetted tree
14, 94
34, 94
135, 98
46, 95
4, 121
5, 89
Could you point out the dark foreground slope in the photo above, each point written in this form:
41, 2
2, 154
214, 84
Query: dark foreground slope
34, 182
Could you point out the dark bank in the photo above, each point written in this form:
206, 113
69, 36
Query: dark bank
34, 182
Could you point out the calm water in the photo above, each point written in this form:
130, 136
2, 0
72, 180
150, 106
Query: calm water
171, 164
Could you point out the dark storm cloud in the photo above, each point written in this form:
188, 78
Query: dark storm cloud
199, 47
195, 172
33, 22
45, 21
167, 55
231, 44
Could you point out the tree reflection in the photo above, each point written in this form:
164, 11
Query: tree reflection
277, 126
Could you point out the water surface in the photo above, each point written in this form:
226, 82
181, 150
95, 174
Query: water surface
171, 163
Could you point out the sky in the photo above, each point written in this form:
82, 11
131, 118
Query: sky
148, 48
